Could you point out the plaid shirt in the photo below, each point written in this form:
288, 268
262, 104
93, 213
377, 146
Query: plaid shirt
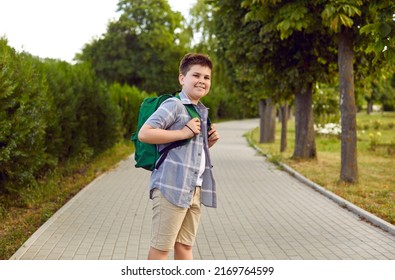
176, 177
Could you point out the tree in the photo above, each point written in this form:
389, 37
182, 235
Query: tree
349, 19
142, 48
231, 33
279, 42
227, 98
341, 22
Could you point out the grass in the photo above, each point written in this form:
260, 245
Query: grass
22, 214
375, 190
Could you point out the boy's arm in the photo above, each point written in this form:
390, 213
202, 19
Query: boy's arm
151, 135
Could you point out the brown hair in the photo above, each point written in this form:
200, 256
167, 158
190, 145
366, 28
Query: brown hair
191, 59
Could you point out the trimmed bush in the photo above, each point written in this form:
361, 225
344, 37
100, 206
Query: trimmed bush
128, 100
24, 109
50, 112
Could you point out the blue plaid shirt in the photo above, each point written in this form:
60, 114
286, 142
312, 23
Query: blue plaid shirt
176, 177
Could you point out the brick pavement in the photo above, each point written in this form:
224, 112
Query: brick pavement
263, 213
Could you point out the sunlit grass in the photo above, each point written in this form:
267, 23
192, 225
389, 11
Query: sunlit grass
375, 191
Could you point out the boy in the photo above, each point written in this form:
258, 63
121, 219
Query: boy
185, 179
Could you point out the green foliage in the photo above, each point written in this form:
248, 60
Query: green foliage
97, 115
201, 22
50, 112
386, 93
277, 48
228, 99
63, 124
379, 30
128, 100
340, 13
85, 120
325, 104
142, 48
23, 118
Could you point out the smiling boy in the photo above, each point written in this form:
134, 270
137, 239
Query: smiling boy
184, 181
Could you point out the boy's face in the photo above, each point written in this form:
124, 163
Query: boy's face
196, 83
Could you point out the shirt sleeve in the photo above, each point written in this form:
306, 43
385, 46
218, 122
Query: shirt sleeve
166, 115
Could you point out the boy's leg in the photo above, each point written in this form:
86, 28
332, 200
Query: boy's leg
182, 252
186, 236
166, 223
155, 254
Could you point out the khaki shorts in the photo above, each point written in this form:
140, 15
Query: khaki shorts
171, 224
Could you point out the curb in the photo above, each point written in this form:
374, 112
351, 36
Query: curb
361, 213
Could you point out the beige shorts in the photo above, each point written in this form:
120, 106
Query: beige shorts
171, 224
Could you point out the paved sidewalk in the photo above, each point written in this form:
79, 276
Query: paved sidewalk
263, 213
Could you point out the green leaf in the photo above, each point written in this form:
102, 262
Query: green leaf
384, 29
329, 12
345, 20
376, 47
283, 26
335, 23
351, 10
369, 28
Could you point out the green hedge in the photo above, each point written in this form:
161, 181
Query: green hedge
50, 112
23, 117
86, 121
128, 100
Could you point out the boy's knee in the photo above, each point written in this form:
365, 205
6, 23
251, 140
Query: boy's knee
155, 254
181, 246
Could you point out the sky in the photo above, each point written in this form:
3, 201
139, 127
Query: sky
60, 28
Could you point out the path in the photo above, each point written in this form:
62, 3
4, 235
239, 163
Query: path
263, 213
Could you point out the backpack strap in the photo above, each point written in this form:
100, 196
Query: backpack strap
163, 153
194, 114
191, 109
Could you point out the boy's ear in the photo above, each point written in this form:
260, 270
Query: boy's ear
181, 79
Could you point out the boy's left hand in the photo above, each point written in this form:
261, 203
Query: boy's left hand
213, 136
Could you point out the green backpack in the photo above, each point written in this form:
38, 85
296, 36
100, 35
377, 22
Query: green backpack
146, 155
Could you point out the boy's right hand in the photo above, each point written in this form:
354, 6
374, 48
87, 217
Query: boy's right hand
192, 128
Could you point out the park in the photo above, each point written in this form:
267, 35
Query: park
311, 83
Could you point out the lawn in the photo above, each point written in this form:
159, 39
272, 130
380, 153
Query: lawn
375, 190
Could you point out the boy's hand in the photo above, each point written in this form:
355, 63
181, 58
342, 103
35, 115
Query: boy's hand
192, 128
213, 136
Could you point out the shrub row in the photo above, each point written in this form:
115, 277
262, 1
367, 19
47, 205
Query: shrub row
52, 111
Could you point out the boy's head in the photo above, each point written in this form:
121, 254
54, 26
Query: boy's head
191, 59
195, 75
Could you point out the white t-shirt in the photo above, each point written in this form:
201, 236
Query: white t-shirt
201, 169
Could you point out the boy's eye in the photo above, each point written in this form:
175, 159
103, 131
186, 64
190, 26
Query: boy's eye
196, 75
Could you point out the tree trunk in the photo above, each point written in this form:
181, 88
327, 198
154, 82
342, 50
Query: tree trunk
349, 166
267, 112
304, 125
369, 108
284, 124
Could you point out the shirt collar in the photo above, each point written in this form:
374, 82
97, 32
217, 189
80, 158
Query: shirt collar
184, 98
